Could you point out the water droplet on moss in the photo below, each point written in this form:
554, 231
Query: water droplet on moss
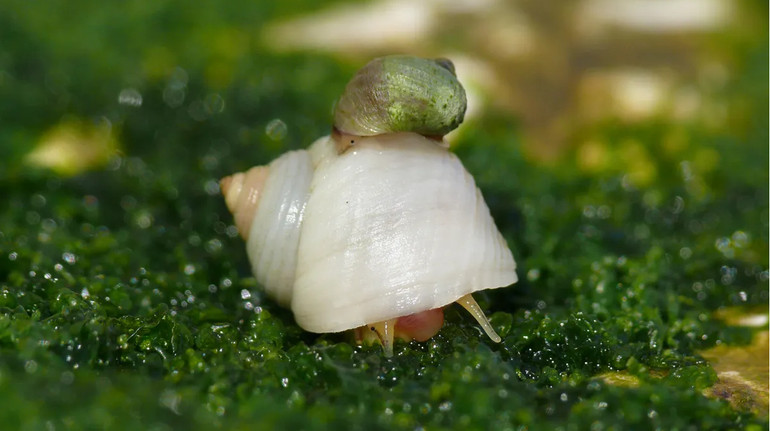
37, 200
211, 187
213, 246
30, 366
68, 257
130, 97
214, 103
533, 274
143, 219
276, 130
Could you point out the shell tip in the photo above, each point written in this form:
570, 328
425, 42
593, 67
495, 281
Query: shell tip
224, 184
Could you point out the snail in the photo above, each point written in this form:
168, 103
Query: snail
378, 226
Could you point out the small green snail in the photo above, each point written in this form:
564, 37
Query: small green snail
378, 226
402, 94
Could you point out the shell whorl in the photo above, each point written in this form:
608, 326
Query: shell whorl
242, 191
268, 203
402, 94
393, 227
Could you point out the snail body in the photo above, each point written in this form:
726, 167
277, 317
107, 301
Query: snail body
375, 232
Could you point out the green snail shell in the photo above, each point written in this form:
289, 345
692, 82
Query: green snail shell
402, 94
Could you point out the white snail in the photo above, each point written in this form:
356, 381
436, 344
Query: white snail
378, 226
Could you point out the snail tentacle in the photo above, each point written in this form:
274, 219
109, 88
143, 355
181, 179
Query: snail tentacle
472, 306
386, 332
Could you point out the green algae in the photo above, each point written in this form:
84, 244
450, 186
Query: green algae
126, 301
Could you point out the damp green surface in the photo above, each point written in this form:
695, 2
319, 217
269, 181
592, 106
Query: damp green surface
126, 300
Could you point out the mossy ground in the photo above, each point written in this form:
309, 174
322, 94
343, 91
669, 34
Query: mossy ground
126, 300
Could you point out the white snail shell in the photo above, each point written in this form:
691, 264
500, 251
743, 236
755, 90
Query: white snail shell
387, 226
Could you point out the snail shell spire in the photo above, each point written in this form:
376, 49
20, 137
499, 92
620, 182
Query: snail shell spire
242, 191
267, 203
402, 94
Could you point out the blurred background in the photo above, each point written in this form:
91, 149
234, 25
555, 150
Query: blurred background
558, 73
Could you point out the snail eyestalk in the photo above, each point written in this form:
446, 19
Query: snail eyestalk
472, 306
386, 332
